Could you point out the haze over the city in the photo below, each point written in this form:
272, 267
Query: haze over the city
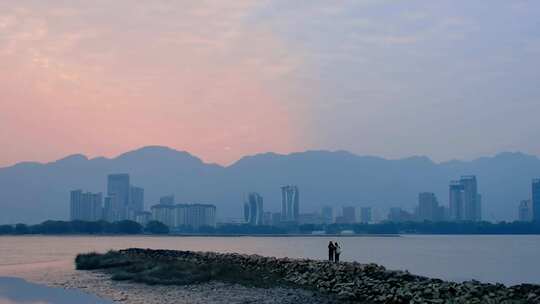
225, 79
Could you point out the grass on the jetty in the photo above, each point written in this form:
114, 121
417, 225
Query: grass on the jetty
166, 272
94, 260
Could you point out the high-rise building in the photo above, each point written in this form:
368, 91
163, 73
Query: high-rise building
327, 214
186, 215
428, 207
143, 217
457, 196
108, 209
137, 199
349, 214
471, 203
86, 206
290, 203
112, 210
118, 184
167, 200
119, 187
465, 201
200, 215
365, 215
536, 200
75, 205
180, 215
164, 214
525, 213
253, 209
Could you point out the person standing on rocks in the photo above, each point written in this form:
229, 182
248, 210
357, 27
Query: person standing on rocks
337, 251
331, 251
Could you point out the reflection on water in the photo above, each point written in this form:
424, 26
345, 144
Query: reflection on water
19, 291
505, 259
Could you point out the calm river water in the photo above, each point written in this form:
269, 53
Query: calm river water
505, 259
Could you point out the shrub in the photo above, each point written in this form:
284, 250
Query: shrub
93, 260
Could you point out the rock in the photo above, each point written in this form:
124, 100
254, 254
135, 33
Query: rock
354, 281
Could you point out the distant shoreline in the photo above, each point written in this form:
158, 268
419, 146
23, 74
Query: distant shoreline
265, 235
289, 235
128, 227
208, 235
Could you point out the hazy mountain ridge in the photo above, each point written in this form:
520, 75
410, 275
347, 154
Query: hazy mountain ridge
32, 192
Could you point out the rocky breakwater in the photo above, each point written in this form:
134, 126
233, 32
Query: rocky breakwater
350, 281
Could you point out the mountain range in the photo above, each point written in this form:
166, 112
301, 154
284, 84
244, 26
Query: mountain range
32, 192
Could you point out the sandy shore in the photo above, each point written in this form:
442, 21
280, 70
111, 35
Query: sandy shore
214, 292
62, 274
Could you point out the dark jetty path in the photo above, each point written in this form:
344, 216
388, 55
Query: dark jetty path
346, 281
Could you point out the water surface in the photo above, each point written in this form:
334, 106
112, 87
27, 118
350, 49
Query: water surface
505, 259
19, 291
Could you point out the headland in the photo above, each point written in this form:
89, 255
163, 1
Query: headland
315, 281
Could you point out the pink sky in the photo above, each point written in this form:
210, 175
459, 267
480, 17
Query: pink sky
101, 79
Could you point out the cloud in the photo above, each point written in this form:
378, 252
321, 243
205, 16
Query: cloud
393, 78
109, 76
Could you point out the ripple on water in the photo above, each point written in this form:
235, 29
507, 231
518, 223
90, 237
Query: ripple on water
19, 291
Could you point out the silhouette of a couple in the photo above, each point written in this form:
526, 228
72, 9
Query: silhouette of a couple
334, 250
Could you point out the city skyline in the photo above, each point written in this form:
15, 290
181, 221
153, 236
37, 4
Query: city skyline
464, 205
427, 209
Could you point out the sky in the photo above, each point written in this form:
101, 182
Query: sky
224, 79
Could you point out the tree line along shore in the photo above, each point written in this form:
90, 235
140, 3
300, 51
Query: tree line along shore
390, 228
346, 281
